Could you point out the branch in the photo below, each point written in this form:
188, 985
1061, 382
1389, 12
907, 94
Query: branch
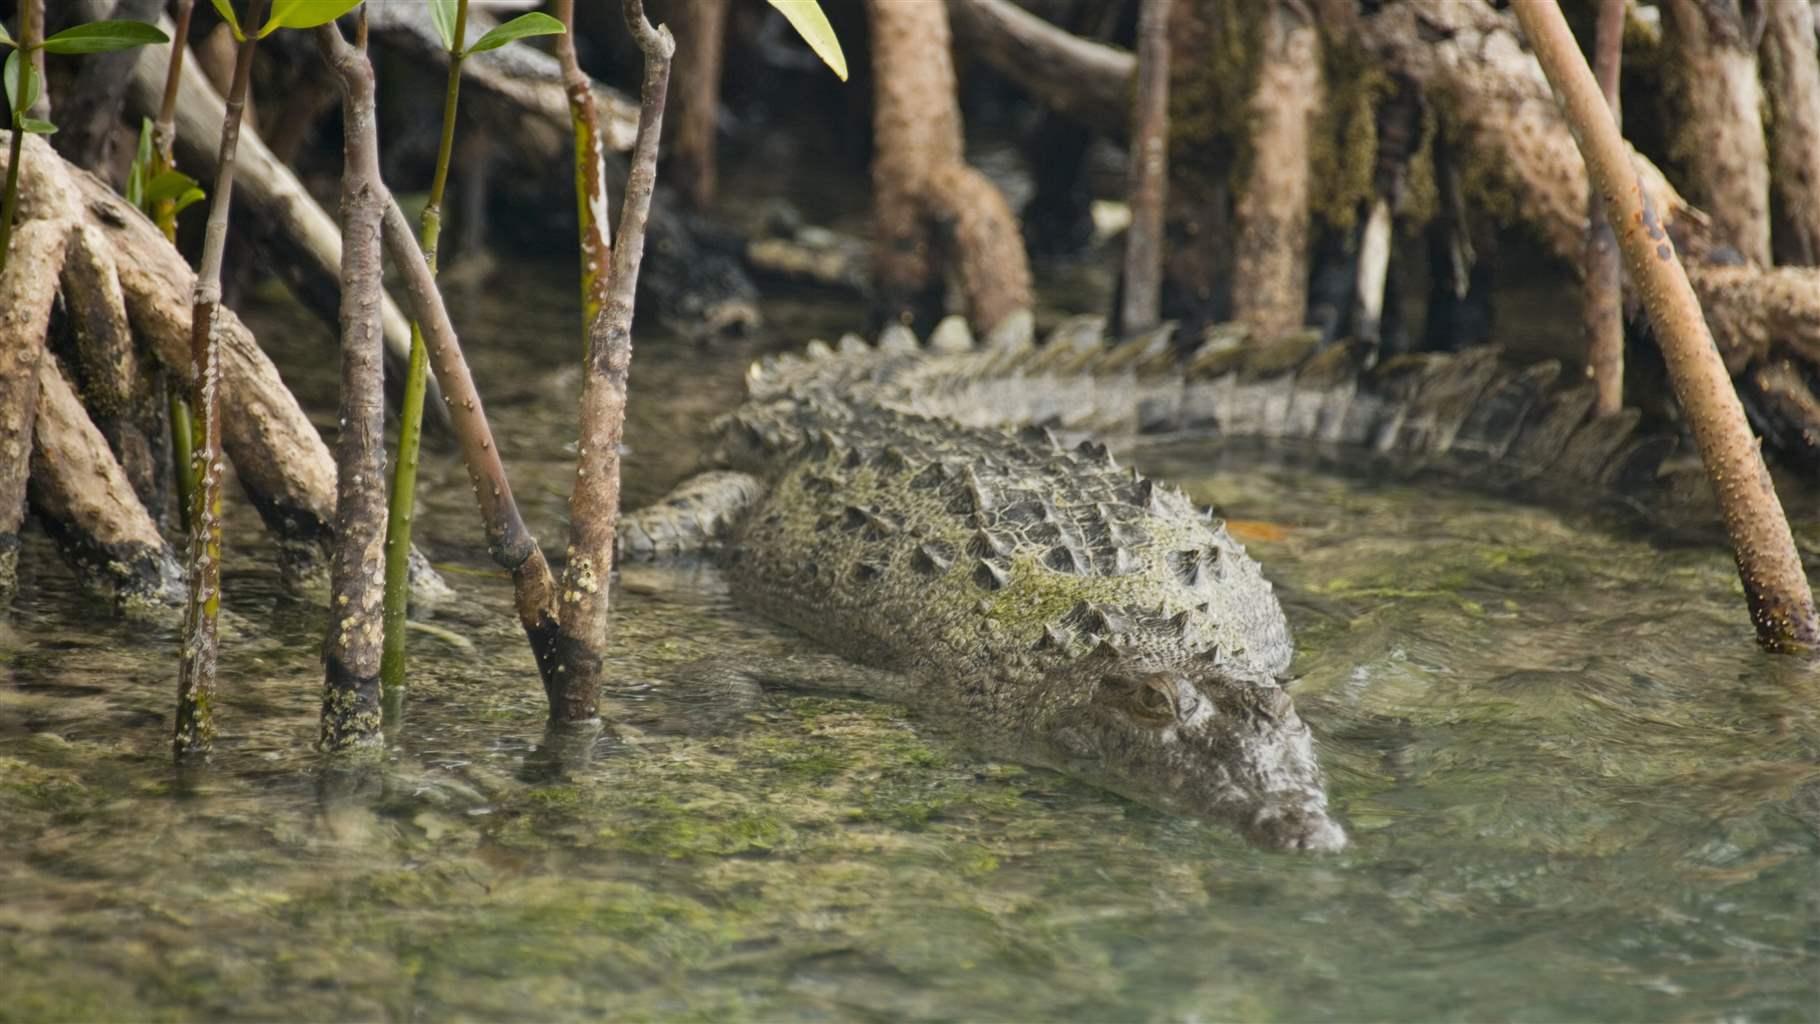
1775, 585
1088, 81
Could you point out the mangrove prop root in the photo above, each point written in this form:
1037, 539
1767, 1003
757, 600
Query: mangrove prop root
355, 640
1470, 61
28, 288
916, 134
1270, 259
574, 690
89, 507
278, 455
118, 386
1086, 80
1775, 585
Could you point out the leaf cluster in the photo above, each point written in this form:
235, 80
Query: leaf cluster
442, 12
21, 78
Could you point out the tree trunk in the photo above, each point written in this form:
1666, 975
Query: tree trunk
700, 42
1602, 306
921, 184
90, 119
1792, 71
351, 651
1712, 68
1147, 173
1270, 264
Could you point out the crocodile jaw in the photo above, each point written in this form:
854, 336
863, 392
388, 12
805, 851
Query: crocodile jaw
1230, 751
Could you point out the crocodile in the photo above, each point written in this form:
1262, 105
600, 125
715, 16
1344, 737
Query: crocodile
916, 509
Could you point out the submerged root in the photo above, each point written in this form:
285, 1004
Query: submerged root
76, 231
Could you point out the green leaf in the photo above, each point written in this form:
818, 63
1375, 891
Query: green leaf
15, 61
532, 24
6, 40
226, 10
305, 14
37, 127
190, 196
806, 17
104, 37
442, 12
142, 164
168, 185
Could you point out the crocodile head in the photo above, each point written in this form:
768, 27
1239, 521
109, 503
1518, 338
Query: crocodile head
1208, 744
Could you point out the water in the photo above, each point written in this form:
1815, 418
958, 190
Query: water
1576, 788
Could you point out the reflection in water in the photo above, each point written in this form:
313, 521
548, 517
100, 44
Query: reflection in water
1577, 790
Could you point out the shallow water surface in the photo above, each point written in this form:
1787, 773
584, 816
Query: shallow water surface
1576, 790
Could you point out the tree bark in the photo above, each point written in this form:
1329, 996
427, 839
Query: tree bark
90, 116
1775, 584
1270, 262
701, 27
1602, 308
1712, 68
352, 648
1147, 173
574, 690
1792, 72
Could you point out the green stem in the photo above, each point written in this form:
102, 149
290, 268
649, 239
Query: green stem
29, 31
183, 449
403, 503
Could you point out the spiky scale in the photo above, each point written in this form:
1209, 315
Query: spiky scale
951, 336
1062, 558
853, 346
989, 575
867, 572
984, 544
818, 350
932, 559
897, 340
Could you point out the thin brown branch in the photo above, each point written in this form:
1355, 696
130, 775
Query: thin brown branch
509, 541
1775, 585
195, 730
351, 651
574, 690
1147, 173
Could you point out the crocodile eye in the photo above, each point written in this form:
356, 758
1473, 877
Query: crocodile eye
1149, 700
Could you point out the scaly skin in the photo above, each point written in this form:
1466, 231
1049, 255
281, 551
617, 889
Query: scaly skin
1049, 606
